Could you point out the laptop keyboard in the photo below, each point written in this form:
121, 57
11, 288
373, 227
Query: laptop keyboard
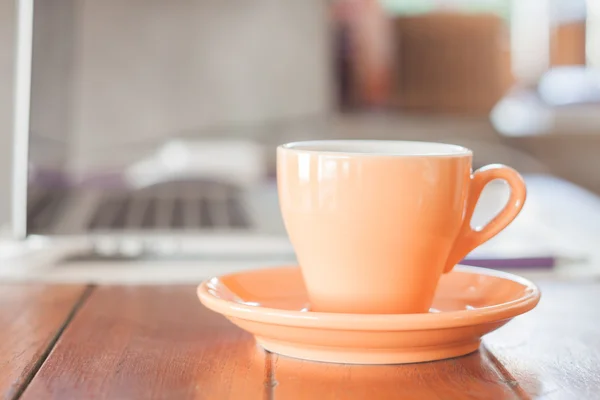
172, 206
169, 206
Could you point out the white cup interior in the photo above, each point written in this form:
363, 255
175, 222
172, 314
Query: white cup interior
379, 148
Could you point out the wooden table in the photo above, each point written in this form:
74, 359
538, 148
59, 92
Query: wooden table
158, 342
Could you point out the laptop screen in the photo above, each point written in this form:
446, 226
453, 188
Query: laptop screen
50, 110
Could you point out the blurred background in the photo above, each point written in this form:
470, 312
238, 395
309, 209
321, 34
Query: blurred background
153, 124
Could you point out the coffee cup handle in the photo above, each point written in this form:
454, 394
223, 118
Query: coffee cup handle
468, 238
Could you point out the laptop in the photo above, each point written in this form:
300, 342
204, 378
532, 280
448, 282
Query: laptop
175, 197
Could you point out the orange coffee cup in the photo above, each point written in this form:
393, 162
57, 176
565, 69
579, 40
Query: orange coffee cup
374, 224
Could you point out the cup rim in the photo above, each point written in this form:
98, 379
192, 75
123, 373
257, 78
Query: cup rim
411, 148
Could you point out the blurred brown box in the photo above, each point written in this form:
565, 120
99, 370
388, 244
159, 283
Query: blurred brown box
450, 62
567, 44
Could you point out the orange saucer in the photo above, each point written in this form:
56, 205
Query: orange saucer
272, 305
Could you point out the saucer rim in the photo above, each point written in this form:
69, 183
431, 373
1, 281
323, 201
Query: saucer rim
376, 322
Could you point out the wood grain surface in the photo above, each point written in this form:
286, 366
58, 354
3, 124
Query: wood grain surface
151, 343
554, 351
158, 342
31, 318
474, 376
